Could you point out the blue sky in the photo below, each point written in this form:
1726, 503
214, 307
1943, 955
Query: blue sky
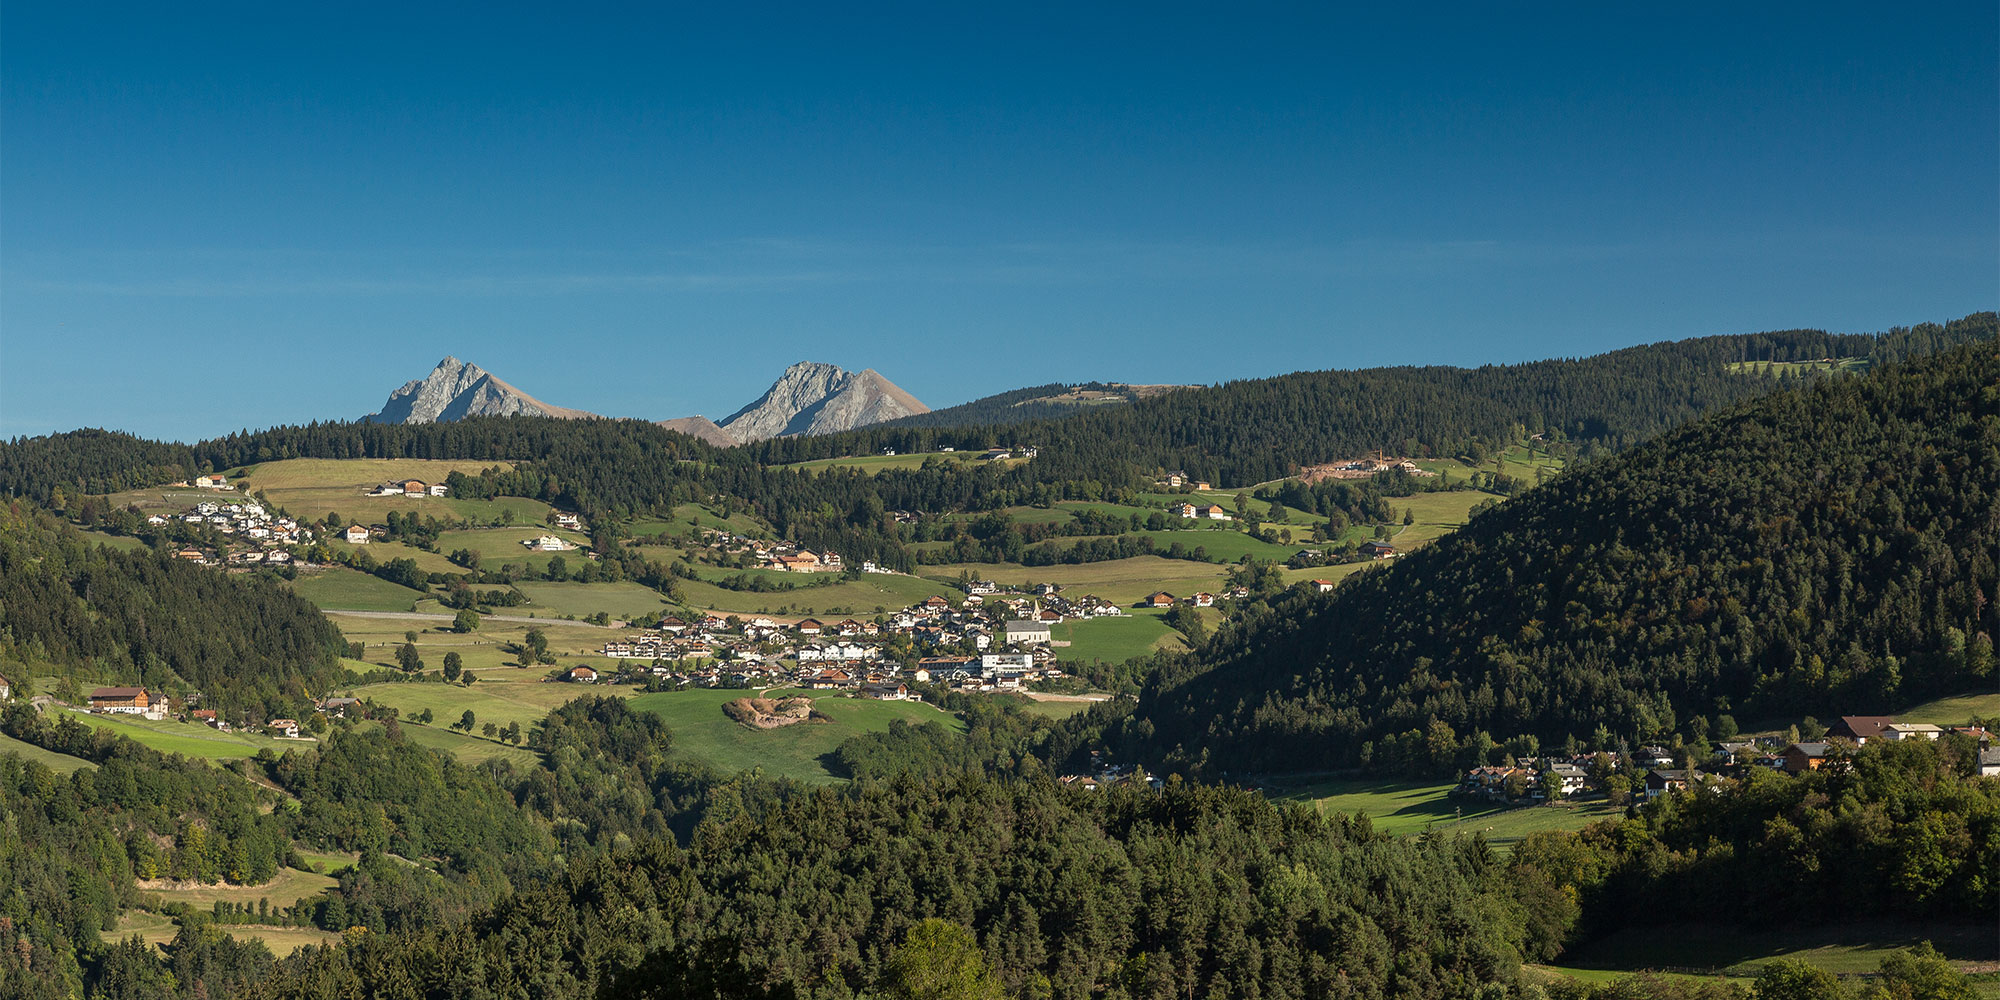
220, 216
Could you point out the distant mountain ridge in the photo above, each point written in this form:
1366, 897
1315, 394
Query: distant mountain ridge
815, 398
809, 398
457, 389
702, 428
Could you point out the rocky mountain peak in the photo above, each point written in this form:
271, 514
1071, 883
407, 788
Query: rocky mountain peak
457, 389
816, 398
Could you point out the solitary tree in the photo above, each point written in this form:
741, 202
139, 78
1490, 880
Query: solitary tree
453, 664
466, 721
533, 646
465, 621
939, 960
407, 658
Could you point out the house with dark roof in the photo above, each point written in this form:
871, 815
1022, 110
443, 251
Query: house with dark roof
121, 700
1802, 757
1861, 728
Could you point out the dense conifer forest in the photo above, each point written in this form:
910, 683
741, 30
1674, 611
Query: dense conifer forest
1833, 549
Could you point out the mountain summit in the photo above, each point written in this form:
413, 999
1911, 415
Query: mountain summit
458, 389
814, 398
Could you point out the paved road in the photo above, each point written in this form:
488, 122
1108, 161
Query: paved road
424, 616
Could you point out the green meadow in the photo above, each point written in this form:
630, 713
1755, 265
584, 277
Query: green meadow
1121, 581
337, 588
702, 732
61, 763
1401, 807
1115, 640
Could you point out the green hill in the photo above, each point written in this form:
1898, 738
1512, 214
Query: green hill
1829, 550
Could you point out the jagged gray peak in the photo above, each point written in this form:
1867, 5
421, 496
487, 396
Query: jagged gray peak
815, 398
457, 389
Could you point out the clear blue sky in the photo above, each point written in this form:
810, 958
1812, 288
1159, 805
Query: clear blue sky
216, 216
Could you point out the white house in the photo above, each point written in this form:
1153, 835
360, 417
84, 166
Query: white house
1024, 632
357, 534
1006, 663
548, 543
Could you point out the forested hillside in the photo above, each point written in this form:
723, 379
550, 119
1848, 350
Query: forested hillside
1830, 550
1066, 894
1896, 828
148, 618
1254, 431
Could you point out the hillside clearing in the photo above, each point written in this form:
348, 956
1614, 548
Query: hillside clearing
701, 732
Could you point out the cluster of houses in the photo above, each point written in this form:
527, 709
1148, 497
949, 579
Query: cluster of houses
1009, 633
1179, 479
1360, 468
148, 704
262, 533
1201, 599
1859, 730
215, 482
410, 488
782, 557
1199, 512
1525, 779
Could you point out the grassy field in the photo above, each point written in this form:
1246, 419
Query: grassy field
1122, 581
1954, 711
1777, 369
872, 464
151, 928
168, 736
1838, 946
1228, 546
290, 886
742, 523
1055, 709
874, 590
337, 588
328, 863
310, 488
469, 749
125, 542
1335, 573
1438, 514
1115, 640
281, 940
483, 650
158, 930
500, 697
61, 763
620, 600
1399, 807
502, 546
703, 733
382, 552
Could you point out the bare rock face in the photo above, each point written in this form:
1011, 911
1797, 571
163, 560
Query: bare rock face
700, 427
457, 389
814, 398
